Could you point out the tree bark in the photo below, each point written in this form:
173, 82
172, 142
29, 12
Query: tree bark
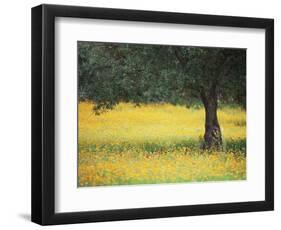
212, 136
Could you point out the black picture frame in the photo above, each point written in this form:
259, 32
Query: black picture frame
43, 114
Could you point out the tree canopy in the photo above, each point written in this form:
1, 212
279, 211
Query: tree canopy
111, 72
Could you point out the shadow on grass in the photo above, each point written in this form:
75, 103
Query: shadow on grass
229, 145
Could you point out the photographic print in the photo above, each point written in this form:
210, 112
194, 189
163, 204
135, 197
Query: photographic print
152, 114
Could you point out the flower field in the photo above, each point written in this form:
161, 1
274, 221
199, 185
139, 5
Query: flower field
157, 143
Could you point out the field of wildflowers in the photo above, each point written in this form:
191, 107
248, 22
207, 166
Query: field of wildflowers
157, 143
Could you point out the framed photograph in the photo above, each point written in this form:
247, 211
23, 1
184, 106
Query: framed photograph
141, 114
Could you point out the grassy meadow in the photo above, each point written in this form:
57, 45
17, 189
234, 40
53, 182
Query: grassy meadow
157, 143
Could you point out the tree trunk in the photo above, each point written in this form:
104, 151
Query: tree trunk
212, 136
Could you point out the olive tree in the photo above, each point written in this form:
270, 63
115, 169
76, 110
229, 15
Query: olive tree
110, 73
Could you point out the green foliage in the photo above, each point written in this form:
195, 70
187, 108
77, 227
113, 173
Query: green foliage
110, 73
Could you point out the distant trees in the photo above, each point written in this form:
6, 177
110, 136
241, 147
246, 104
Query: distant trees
110, 73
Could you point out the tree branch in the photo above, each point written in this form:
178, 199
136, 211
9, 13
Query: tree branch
183, 61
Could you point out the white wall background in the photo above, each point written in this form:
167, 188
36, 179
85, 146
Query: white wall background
15, 114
